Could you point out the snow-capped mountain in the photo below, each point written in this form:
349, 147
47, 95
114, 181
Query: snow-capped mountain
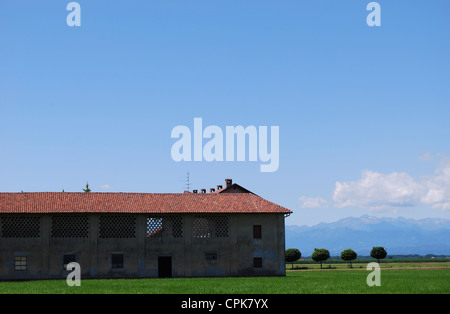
397, 235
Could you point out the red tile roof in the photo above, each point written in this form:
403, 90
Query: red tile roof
68, 202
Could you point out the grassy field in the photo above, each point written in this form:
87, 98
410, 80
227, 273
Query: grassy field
397, 279
361, 264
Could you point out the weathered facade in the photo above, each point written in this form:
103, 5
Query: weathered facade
140, 234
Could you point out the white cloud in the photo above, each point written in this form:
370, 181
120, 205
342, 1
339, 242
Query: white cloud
376, 190
398, 189
438, 186
312, 202
106, 187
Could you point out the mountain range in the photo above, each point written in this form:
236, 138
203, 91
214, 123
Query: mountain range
397, 235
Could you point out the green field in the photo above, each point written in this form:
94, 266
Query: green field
399, 264
398, 280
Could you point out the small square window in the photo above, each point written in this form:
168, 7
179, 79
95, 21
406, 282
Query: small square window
211, 256
117, 261
257, 232
257, 262
67, 259
20, 263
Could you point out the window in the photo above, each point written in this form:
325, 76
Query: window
67, 259
20, 263
117, 226
70, 226
211, 256
164, 227
257, 232
207, 226
117, 261
21, 226
257, 262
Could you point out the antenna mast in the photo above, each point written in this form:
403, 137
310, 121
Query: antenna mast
188, 184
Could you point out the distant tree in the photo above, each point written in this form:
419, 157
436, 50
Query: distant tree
292, 255
320, 255
87, 189
348, 255
378, 252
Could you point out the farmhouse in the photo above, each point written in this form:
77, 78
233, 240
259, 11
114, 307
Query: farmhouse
226, 232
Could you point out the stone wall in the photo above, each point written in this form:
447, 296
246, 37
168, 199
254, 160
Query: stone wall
129, 245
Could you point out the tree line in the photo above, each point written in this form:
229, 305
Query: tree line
321, 255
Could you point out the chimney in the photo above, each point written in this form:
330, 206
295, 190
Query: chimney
219, 187
203, 190
211, 190
194, 191
228, 182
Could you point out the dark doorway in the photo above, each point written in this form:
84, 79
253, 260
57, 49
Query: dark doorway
164, 266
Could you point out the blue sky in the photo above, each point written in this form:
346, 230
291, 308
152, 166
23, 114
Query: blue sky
363, 112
